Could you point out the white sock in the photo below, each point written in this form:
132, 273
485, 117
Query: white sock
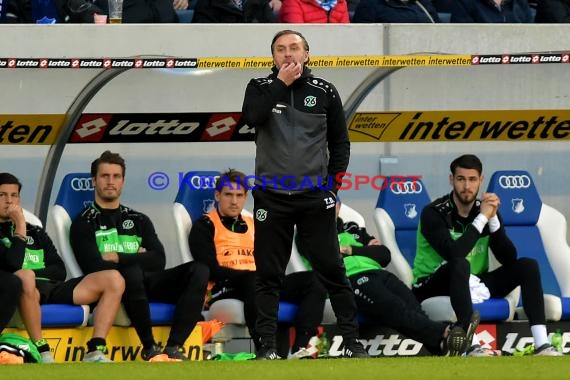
539, 334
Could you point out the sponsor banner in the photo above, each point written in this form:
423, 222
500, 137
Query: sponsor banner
491, 125
378, 341
480, 125
506, 337
515, 336
266, 62
347, 61
157, 127
123, 344
30, 129
242, 62
506, 59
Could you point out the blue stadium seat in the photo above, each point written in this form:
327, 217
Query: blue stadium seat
397, 217
539, 232
76, 193
195, 198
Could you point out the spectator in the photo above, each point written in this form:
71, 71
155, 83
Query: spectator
236, 11
454, 237
491, 11
314, 11
109, 235
147, 11
552, 11
81, 11
395, 11
28, 251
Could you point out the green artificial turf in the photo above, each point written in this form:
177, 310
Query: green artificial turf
410, 368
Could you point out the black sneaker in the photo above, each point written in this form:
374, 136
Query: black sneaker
267, 353
455, 341
174, 352
473, 323
151, 352
354, 349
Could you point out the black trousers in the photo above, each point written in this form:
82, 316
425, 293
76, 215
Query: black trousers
385, 300
9, 296
275, 217
452, 279
305, 290
184, 285
241, 287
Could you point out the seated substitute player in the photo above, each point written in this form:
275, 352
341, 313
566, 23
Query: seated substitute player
109, 235
28, 251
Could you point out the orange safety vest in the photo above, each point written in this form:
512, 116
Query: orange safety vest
233, 250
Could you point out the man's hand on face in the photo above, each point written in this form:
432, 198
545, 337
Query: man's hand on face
290, 72
16, 214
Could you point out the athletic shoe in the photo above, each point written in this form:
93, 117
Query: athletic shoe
309, 352
96, 356
455, 341
151, 352
473, 323
10, 358
303, 353
354, 349
174, 352
267, 353
47, 357
162, 358
476, 351
547, 350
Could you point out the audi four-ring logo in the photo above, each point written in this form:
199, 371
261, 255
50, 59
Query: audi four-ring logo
408, 187
82, 184
203, 182
514, 181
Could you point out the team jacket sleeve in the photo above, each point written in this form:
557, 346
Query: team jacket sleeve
365, 237
54, 266
261, 95
154, 258
82, 239
379, 253
503, 248
436, 232
13, 257
201, 243
337, 137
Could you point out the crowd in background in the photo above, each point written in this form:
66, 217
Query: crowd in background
299, 11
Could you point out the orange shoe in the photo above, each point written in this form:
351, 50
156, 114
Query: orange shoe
163, 358
8, 358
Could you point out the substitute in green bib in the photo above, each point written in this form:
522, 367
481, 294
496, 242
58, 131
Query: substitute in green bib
455, 234
110, 235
